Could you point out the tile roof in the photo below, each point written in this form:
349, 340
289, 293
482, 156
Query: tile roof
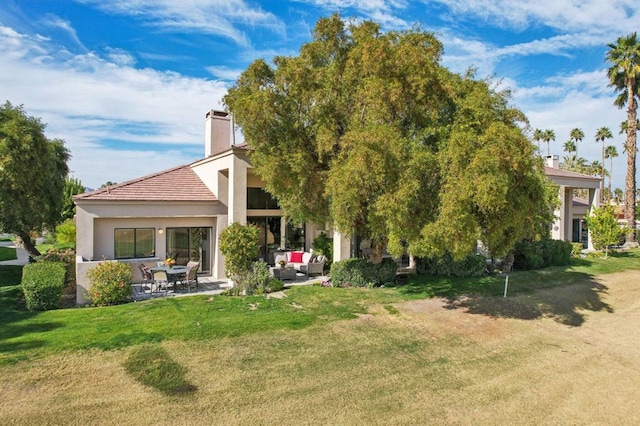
552, 171
178, 184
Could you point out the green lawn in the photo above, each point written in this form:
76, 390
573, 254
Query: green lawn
334, 356
7, 253
30, 335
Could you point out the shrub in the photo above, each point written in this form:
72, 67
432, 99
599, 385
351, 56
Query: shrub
323, 245
42, 285
256, 279
472, 265
363, 273
66, 232
110, 283
540, 254
576, 249
275, 285
239, 245
65, 256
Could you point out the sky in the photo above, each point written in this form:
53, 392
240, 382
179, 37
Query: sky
127, 83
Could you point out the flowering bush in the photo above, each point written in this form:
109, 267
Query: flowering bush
110, 283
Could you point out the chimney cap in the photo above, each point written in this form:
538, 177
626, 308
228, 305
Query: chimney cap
216, 113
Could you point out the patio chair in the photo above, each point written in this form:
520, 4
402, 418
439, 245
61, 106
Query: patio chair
160, 281
191, 277
147, 278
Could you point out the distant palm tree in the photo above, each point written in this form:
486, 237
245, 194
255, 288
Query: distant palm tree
624, 77
576, 136
570, 146
610, 152
574, 163
618, 195
603, 134
548, 136
596, 168
538, 135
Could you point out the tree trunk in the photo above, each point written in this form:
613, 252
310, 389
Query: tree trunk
28, 245
630, 182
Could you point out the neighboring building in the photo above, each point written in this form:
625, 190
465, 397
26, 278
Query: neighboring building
570, 216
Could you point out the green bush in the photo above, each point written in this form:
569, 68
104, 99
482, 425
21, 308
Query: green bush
275, 285
239, 245
256, 279
530, 255
65, 256
110, 283
363, 273
42, 285
473, 265
66, 232
323, 245
576, 249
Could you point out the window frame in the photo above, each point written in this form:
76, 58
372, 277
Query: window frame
135, 243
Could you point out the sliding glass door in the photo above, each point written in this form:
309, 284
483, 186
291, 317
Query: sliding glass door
185, 244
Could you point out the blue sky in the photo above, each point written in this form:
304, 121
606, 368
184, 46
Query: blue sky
126, 83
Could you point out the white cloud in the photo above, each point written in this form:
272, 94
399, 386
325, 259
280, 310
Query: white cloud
384, 12
88, 101
64, 25
220, 17
224, 73
564, 15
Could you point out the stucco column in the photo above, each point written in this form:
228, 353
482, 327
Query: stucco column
568, 214
594, 203
341, 247
557, 230
218, 268
238, 192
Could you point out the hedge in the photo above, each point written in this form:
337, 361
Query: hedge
473, 265
363, 273
42, 285
540, 254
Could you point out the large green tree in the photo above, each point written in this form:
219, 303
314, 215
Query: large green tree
33, 169
624, 73
368, 131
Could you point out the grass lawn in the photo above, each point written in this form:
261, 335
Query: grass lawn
561, 348
43, 248
7, 253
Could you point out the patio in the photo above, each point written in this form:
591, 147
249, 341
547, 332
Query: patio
210, 286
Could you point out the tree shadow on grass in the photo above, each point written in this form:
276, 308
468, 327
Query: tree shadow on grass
565, 304
153, 366
557, 292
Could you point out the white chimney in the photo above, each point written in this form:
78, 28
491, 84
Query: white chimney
552, 161
217, 134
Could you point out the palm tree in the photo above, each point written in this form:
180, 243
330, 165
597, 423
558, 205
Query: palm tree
618, 195
576, 136
570, 146
596, 168
610, 152
602, 134
548, 136
538, 135
624, 57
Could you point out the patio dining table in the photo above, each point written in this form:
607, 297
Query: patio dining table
174, 273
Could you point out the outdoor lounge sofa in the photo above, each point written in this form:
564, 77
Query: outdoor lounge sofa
301, 261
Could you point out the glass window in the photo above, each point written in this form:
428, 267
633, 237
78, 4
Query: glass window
186, 244
134, 243
259, 199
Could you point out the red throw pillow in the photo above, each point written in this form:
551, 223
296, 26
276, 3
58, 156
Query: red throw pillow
296, 257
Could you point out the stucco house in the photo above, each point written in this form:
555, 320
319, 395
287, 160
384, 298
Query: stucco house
570, 215
180, 212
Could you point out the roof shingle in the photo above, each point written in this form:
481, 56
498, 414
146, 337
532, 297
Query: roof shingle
178, 184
